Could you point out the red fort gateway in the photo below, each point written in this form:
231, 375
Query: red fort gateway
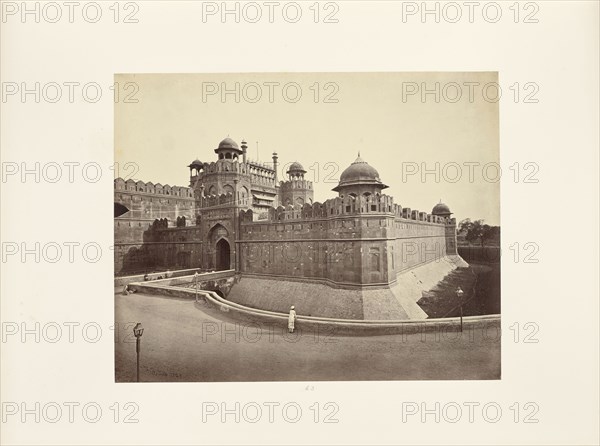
358, 255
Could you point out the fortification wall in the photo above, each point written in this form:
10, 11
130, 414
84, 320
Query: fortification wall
146, 203
343, 241
160, 248
348, 205
149, 188
413, 243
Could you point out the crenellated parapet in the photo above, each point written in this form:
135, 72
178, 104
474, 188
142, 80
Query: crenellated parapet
296, 184
296, 191
221, 166
348, 205
141, 187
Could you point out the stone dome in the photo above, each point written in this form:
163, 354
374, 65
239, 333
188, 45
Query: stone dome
228, 143
359, 172
195, 163
441, 209
296, 167
227, 147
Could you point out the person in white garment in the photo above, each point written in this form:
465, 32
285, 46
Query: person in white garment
291, 319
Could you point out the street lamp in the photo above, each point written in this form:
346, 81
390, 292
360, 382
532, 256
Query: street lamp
138, 330
459, 295
196, 282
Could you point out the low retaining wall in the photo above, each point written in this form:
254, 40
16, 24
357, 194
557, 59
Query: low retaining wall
325, 326
175, 277
122, 281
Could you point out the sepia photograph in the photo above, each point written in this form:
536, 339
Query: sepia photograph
333, 222
307, 227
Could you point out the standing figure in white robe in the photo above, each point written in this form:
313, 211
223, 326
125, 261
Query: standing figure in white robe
291, 319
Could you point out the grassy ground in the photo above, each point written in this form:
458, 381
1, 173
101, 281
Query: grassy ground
475, 253
481, 285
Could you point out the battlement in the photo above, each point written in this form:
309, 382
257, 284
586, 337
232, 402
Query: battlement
296, 184
120, 185
348, 205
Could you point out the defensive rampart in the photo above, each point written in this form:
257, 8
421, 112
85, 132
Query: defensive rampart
363, 241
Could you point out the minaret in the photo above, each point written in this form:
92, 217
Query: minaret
244, 148
275, 166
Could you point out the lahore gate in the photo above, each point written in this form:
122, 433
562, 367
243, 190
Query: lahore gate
356, 256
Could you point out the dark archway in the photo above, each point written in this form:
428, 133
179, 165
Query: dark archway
223, 255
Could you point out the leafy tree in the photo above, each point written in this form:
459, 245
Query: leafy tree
477, 230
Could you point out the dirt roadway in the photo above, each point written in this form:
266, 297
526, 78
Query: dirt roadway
184, 343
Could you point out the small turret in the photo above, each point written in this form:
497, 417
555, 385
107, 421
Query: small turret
275, 158
228, 149
244, 150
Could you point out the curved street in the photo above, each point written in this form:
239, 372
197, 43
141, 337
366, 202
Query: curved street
182, 342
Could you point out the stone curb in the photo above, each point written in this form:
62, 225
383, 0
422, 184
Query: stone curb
341, 327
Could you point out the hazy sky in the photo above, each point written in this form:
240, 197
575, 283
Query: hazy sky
180, 117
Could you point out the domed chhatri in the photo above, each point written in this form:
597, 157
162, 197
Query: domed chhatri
228, 143
441, 209
196, 163
360, 176
228, 149
296, 167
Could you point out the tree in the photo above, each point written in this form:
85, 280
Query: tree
477, 230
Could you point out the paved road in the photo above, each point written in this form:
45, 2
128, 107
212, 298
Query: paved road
182, 342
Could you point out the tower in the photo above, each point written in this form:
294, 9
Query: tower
244, 149
442, 210
296, 190
275, 165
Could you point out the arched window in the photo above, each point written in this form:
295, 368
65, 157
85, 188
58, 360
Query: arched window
244, 194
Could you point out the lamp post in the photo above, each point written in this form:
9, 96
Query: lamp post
196, 283
138, 330
459, 295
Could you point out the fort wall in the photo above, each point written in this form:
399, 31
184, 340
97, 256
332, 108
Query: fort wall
146, 202
364, 241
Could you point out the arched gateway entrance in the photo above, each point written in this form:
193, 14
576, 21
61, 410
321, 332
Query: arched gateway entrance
223, 252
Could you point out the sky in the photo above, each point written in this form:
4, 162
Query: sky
418, 143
